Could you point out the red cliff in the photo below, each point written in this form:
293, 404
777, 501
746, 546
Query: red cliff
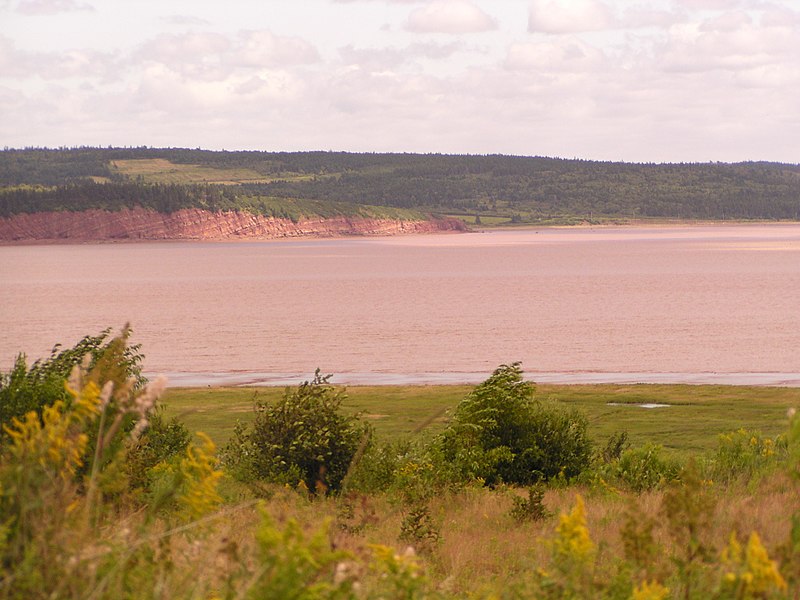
197, 224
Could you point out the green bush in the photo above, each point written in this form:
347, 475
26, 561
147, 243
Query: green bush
500, 433
25, 389
744, 453
378, 469
304, 437
645, 468
162, 440
101, 359
531, 508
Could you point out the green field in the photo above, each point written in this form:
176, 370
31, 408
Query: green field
690, 424
159, 170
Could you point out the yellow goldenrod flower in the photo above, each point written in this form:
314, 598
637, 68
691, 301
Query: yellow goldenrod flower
765, 575
573, 541
751, 570
200, 478
650, 591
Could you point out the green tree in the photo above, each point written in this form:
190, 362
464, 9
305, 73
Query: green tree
304, 437
500, 432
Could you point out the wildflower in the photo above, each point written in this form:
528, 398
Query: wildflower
751, 570
732, 555
200, 478
391, 563
75, 379
139, 428
573, 541
56, 442
765, 573
650, 591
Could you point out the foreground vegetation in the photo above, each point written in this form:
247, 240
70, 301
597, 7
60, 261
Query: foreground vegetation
511, 495
482, 190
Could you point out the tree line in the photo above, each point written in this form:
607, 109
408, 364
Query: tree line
525, 188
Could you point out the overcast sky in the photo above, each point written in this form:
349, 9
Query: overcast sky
640, 80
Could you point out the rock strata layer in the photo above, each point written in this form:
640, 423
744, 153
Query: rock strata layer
197, 224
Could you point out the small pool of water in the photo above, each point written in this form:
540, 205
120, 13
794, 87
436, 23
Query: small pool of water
645, 405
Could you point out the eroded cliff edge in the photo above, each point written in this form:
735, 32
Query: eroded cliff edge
197, 224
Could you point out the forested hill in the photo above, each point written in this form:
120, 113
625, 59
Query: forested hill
494, 188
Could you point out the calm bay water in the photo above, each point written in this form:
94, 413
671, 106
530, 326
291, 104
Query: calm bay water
716, 303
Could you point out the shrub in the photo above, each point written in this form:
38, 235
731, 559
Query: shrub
304, 437
419, 529
398, 466
689, 509
615, 446
643, 469
162, 440
531, 508
501, 433
744, 453
293, 565
25, 389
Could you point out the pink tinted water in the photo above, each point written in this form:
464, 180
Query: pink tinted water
641, 300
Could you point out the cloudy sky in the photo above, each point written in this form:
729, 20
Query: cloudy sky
638, 80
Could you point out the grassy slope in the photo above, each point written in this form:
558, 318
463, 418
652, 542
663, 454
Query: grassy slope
160, 170
696, 416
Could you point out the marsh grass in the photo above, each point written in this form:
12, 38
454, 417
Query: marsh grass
696, 415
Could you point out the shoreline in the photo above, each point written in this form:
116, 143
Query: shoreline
659, 225
218, 379
635, 224
146, 225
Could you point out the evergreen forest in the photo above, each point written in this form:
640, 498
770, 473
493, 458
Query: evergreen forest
482, 189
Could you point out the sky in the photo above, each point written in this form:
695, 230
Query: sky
638, 80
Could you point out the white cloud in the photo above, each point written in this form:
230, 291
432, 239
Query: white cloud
561, 55
384, 1
637, 16
569, 16
159, 90
728, 21
190, 54
673, 80
390, 57
780, 16
712, 4
265, 49
214, 56
578, 16
185, 20
175, 48
449, 16
72, 63
50, 7
693, 49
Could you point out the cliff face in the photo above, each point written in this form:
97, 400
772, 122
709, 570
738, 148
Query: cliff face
196, 224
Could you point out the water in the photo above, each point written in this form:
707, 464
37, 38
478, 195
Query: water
694, 304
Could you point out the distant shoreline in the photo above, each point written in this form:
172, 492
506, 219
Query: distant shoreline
255, 379
326, 235
634, 223
147, 225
